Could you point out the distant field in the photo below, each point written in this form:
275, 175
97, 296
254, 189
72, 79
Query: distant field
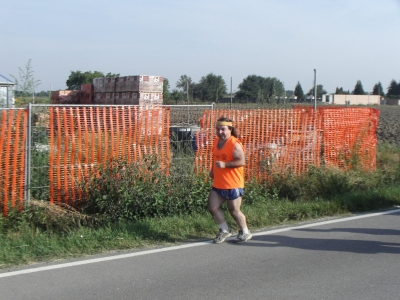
389, 124
388, 128
19, 102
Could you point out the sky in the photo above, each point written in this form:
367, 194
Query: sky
343, 40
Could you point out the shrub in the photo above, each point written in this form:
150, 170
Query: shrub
131, 191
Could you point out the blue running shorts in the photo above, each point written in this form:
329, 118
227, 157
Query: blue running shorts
230, 194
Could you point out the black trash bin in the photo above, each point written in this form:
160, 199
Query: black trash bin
181, 136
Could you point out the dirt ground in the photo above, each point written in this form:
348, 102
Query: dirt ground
389, 125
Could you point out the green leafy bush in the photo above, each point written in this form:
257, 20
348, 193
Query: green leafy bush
131, 191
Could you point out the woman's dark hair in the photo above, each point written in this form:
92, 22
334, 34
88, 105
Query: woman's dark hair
233, 130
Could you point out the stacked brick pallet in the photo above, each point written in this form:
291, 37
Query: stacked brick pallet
82, 96
131, 90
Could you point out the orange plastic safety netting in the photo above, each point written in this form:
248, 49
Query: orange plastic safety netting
274, 140
82, 138
349, 136
12, 158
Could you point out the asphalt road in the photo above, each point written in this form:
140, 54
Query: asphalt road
349, 258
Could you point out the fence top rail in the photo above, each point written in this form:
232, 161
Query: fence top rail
13, 108
191, 105
87, 105
113, 105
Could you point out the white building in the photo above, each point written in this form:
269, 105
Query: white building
6, 92
340, 99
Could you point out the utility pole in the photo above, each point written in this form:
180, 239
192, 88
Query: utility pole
187, 99
231, 92
315, 91
187, 92
284, 96
379, 92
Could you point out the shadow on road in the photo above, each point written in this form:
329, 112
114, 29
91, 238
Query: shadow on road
371, 231
326, 244
363, 246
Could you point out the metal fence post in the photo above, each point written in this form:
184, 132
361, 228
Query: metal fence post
8, 97
28, 155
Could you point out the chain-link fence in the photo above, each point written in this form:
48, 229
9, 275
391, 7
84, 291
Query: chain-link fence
182, 125
39, 152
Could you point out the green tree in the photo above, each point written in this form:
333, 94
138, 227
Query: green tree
77, 78
177, 96
210, 88
298, 92
340, 91
184, 82
358, 89
255, 87
289, 93
393, 89
185, 85
26, 83
252, 87
166, 93
275, 88
320, 91
378, 89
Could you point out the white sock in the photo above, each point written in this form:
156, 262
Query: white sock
224, 227
245, 230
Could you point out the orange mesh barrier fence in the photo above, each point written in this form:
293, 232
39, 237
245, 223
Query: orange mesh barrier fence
12, 158
274, 139
82, 138
349, 136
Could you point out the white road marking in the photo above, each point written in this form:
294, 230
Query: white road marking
327, 222
128, 255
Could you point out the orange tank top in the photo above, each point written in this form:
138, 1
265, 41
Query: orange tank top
226, 178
